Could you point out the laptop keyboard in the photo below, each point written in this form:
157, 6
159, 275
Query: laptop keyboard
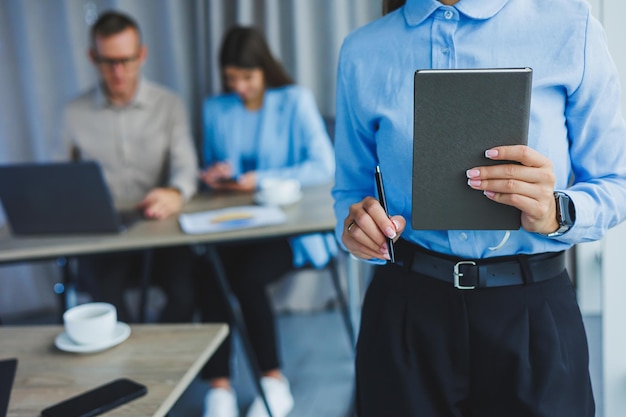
130, 217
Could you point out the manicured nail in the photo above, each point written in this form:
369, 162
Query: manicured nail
395, 222
390, 232
491, 153
489, 194
473, 183
472, 173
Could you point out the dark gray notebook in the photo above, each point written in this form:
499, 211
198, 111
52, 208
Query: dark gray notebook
458, 115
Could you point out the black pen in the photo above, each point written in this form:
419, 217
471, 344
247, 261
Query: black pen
383, 202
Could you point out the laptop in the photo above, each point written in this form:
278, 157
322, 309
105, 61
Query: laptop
7, 374
60, 198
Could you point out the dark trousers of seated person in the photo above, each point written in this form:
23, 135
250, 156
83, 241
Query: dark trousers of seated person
427, 349
249, 268
106, 276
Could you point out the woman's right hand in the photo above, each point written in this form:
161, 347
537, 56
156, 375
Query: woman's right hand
215, 175
367, 228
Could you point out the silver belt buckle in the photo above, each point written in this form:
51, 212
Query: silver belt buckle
458, 275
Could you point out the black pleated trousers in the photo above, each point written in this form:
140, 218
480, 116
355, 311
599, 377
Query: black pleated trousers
427, 349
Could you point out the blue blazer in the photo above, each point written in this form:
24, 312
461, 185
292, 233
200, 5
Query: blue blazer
292, 143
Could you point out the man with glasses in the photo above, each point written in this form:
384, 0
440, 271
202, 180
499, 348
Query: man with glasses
140, 134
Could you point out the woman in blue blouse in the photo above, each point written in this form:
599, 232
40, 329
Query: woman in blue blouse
478, 322
262, 126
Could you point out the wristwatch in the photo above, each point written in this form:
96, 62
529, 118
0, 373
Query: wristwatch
565, 214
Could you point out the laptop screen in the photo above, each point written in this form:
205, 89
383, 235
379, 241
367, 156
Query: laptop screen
7, 374
57, 198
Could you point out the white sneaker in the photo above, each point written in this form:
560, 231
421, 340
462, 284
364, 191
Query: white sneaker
278, 396
220, 402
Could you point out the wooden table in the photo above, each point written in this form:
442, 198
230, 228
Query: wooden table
314, 213
165, 358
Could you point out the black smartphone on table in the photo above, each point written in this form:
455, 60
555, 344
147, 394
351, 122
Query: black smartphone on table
7, 375
98, 400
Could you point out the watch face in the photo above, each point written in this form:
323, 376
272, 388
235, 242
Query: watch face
566, 214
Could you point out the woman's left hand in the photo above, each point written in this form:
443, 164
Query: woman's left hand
529, 186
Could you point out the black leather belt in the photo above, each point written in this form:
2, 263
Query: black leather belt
467, 274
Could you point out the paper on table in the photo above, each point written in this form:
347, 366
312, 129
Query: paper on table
230, 218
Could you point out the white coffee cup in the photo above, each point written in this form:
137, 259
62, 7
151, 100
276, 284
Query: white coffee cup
90, 323
278, 191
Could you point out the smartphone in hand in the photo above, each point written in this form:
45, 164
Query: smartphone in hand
227, 180
98, 400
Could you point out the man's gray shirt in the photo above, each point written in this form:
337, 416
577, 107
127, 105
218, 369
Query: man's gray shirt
142, 146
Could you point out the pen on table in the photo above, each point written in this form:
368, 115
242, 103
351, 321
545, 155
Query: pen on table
383, 203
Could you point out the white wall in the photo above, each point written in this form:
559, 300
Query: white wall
602, 281
614, 249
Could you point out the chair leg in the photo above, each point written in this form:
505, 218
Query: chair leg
333, 267
144, 285
238, 320
67, 293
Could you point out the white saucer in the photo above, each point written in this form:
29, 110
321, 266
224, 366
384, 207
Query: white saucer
120, 333
283, 201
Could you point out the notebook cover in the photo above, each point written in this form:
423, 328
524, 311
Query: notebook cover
458, 115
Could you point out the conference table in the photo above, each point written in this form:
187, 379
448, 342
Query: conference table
164, 358
311, 214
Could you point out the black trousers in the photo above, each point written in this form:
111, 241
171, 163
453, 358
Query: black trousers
249, 268
427, 349
105, 276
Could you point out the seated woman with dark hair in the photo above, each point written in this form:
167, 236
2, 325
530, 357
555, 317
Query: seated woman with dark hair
262, 126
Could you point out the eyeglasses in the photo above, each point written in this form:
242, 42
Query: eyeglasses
112, 62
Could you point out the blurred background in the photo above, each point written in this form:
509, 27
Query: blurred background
44, 63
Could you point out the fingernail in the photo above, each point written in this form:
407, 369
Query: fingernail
491, 153
472, 173
489, 194
474, 183
390, 232
395, 222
